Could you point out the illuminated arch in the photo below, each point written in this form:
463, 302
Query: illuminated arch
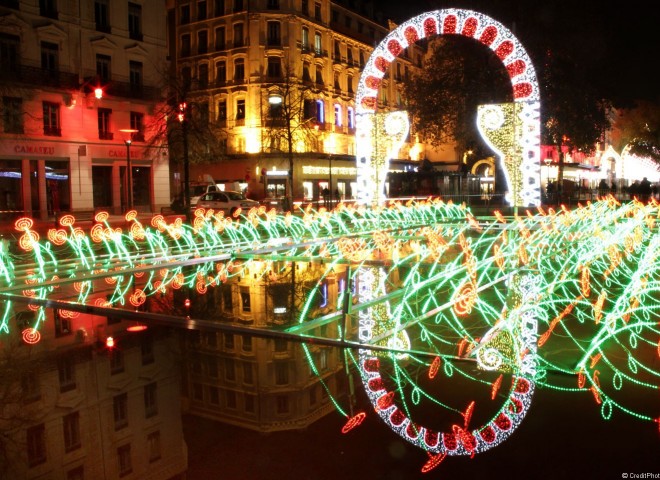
520, 150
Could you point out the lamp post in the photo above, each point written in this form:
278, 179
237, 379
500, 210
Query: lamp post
183, 108
129, 169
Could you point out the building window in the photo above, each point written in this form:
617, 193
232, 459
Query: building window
101, 16
229, 341
52, 119
335, 15
153, 446
247, 373
48, 8
318, 48
227, 298
116, 361
30, 387
219, 8
12, 114
281, 373
273, 34
281, 345
212, 367
9, 52
336, 81
273, 4
36, 445
120, 410
185, 45
222, 111
337, 115
103, 68
62, 323
147, 349
317, 11
238, 5
135, 21
137, 123
247, 343
282, 404
249, 403
305, 39
186, 77
221, 77
274, 67
349, 55
220, 38
211, 339
320, 112
214, 396
124, 460
230, 372
245, 299
150, 400
239, 74
203, 76
348, 21
238, 35
66, 374
230, 396
319, 75
202, 41
349, 83
201, 10
49, 57
185, 14
304, 7
104, 124
135, 75
240, 111
71, 428
351, 117
337, 53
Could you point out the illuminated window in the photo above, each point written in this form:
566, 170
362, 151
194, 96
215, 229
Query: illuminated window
320, 112
305, 39
351, 117
245, 299
240, 109
337, 115
318, 49
222, 111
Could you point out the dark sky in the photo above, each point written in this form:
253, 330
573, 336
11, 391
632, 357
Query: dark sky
619, 44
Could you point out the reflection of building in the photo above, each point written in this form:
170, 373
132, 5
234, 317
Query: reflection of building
265, 384
62, 148
236, 56
72, 408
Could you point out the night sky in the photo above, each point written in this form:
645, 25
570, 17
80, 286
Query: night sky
617, 44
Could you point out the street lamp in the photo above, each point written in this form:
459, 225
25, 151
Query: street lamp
129, 168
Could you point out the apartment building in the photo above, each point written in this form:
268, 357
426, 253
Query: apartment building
277, 78
79, 82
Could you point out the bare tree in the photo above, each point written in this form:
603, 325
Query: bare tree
289, 118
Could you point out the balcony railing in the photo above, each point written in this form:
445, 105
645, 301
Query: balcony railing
38, 76
105, 135
52, 131
132, 90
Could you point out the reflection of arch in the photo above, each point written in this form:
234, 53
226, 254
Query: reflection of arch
485, 170
479, 167
372, 165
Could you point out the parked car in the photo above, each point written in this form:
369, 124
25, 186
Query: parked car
228, 202
197, 190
